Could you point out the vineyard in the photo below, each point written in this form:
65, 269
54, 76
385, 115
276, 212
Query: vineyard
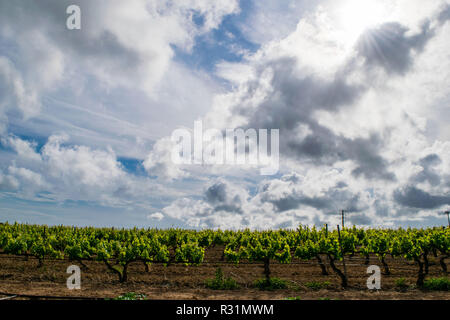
153, 249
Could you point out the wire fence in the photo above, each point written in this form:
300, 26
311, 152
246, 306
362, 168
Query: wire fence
10, 296
350, 262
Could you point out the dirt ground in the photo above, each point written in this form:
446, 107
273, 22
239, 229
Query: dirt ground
18, 276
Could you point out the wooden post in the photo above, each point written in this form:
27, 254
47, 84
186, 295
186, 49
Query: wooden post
448, 217
342, 251
326, 236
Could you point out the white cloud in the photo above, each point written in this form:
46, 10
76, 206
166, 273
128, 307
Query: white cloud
159, 161
25, 149
90, 167
363, 118
123, 51
28, 178
78, 173
8, 182
353, 126
14, 93
156, 216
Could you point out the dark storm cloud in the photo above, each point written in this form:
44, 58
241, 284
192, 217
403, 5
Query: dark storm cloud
415, 198
328, 148
381, 208
365, 152
216, 193
294, 101
294, 202
341, 185
428, 173
444, 15
217, 196
316, 202
390, 47
90, 44
430, 160
285, 204
359, 220
108, 47
229, 208
324, 147
292, 177
335, 198
329, 203
295, 98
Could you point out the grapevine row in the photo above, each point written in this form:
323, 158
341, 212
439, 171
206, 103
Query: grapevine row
117, 248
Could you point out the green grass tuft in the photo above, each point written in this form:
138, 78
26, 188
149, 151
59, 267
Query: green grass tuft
317, 285
132, 296
437, 284
273, 284
221, 283
401, 284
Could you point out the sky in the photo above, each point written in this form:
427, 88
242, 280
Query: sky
358, 90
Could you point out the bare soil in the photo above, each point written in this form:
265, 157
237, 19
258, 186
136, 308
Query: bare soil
21, 276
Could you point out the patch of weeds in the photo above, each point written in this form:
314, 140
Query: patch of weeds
437, 284
131, 296
401, 284
293, 298
272, 284
221, 283
317, 285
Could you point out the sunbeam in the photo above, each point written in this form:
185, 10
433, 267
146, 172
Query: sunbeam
356, 16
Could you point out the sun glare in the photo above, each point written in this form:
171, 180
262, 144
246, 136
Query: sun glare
355, 16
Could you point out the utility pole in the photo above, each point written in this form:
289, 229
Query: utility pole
342, 251
343, 213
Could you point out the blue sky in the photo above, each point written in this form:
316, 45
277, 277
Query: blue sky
225, 43
358, 92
